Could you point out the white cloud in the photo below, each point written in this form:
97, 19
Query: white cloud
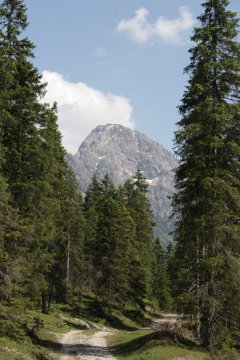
170, 31
138, 28
81, 108
99, 52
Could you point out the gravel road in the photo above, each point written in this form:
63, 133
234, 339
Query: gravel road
78, 345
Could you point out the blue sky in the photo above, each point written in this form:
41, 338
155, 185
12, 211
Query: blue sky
117, 61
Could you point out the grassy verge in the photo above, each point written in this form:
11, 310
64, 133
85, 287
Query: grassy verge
96, 311
23, 343
130, 341
149, 345
21, 339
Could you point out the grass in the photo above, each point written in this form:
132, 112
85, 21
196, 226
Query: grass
43, 345
12, 350
149, 345
21, 343
96, 311
129, 341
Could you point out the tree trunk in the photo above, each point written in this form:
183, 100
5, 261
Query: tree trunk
198, 316
44, 303
90, 273
68, 255
50, 297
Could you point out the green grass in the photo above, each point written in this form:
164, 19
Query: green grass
12, 350
149, 345
128, 342
43, 345
91, 309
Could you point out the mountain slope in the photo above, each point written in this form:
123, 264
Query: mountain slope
120, 151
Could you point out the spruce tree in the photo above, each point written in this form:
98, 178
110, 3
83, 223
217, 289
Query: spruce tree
91, 212
110, 242
70, 263
124, 252
59, 222
10, 250
34, 165
140, 210
109, 245
207, 203
161, 280
23, 114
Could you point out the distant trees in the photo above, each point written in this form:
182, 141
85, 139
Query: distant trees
207, 202
140, 210
118, 240
161, 279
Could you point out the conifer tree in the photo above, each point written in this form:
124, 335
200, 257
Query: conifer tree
161, 280
10, 254
124, 251
13, 231
70, 262
91, 212
34, 165
207, 203
110, 244
22, 111
140, 210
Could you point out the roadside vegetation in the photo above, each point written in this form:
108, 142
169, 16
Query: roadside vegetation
149, 345
38, 336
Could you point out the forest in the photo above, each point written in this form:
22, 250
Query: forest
58, 245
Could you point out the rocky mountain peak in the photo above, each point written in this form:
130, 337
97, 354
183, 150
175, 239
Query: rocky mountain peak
120, 151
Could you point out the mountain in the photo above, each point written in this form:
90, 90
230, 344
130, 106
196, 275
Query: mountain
120, 151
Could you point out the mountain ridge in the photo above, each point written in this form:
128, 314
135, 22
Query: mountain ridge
120, 151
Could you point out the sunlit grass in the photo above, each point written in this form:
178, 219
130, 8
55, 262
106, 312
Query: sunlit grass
142, 345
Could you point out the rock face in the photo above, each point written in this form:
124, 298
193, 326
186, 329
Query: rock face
120, 151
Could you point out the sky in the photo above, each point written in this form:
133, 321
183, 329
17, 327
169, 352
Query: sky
114, 61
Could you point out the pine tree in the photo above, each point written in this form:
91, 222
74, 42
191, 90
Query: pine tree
124, 252
34, 164
91, 212
140, 210
10, 254
59, 222
109, 244
23, 114
13, 230
207, 203
74, 219
161, 280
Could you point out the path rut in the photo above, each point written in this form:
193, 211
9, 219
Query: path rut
77, 345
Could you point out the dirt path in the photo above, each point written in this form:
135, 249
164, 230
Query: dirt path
78, 345
167, 320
